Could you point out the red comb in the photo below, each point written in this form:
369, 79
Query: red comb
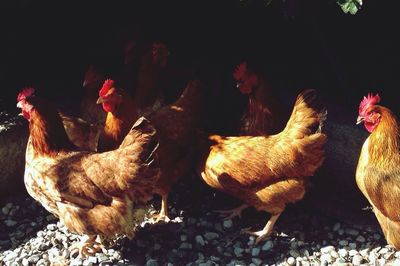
25, 92
240, 71
108, 84
367, 101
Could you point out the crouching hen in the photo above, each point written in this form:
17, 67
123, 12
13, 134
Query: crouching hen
92, 193
378, 169
268, 172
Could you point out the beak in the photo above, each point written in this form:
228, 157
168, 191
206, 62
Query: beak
19, 105
100, 100
360, 120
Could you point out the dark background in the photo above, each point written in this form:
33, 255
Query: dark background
298, 44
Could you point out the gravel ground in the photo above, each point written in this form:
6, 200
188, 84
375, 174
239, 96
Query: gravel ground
197, 236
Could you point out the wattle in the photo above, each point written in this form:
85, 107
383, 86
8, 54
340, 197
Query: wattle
108, 107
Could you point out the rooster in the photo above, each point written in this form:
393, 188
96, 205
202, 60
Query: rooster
270, 171
121, 114
377, 173
91, 193
265, 114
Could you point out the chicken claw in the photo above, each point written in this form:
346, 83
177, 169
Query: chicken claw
233, 212
88, 246
163, 215
265, 232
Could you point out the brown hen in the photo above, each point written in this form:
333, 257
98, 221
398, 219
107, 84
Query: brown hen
268, 172
265, 113
177, 125
121, 114
92, 193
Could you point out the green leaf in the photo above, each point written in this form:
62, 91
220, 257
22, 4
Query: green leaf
350, 6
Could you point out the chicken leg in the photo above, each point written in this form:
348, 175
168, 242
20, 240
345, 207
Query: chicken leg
163, 215
233, 212
87, 246
266, 231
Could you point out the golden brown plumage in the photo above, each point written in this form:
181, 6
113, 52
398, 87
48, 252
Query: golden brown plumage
92, 193
377, 173
177, 125
268, 172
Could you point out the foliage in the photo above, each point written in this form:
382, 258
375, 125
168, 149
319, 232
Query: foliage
350, 6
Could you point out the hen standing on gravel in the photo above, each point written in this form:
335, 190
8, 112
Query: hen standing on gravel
378, 174
92, 193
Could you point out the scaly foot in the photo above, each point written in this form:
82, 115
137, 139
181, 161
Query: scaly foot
266, 232
86, 247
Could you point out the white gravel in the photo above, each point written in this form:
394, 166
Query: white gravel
30, 236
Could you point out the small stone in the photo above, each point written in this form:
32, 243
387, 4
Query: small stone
25, 262
44, 262
10, 223
213, 258
383, 251
364, 252
343, 243
191, 221
186, 245
294, 253
228, 224
76, 262
238, 252
101, 257
157, 246
353, 252
5, 210
360, 239
256, 261
352, 232
353, 245
184, 238
255, 252
117, 255
52, 227
211, 236
92, 259
152, 262
357, 260
106, 263
291, 261
377, 236
334, 254
43, 247
200, 240
218, 227
268, 245
327, 249
11, 256
336, 227
33, 259
326, 258
340, 232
